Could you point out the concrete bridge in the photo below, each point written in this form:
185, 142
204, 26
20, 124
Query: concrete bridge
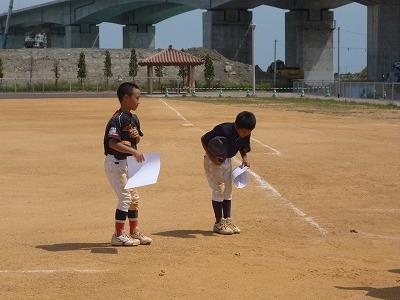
309, 26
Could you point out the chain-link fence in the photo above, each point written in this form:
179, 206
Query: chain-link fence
344, 89
349, 89
15, 85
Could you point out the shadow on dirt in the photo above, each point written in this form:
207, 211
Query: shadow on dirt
185, 234
387, 293
104, 248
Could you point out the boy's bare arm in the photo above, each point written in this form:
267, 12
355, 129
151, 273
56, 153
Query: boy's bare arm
134, 133
120, 147
244, 159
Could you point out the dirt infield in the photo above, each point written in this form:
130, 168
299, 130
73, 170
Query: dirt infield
320, 218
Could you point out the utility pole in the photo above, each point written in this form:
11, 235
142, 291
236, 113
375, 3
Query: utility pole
338, 63
275, 65
5, 34
253, 27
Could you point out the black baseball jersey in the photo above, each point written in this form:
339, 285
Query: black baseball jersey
234, 142
118, 128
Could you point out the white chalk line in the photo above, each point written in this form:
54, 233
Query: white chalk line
276, 152
378, 236
50, 271
380, 209
311, 130
173, 109
265, 185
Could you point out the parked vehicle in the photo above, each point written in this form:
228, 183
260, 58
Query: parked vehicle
372, 93
290, 73
394, 75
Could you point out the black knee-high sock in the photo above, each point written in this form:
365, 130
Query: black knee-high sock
217, 206
226, 207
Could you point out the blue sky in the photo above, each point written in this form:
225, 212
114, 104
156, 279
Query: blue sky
270, 26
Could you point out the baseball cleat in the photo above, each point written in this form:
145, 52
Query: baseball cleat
222, 227
123, 240
144, 240
232, 226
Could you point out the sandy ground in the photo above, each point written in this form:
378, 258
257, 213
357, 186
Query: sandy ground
320, 218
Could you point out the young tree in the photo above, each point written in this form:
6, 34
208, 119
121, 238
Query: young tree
159, 70
107, 67
182, 73
133, 65
31, 67
208, 70
56, 71
82, 73
1, 70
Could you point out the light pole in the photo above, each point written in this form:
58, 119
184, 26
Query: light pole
338, 63
5, 34
253, 27
275, 65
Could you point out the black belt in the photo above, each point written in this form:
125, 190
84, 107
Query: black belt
116, 162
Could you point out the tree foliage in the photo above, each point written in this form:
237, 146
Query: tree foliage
159, 71
1, 69
31, 67
56, 71
208, 70
82, 73
107, 67
133, 65
183, 73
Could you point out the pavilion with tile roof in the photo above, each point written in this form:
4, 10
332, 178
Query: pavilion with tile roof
171, 57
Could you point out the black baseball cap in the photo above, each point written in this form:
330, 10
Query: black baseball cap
218, 146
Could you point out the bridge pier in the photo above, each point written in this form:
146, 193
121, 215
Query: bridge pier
55, 37
383, 38
227, 31
139, 36
309, 43
16, 38
81, 36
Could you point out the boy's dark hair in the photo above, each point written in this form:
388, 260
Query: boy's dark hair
246, 120
126, 88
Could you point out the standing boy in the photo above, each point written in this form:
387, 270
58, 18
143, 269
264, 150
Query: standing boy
121, 137
221, 144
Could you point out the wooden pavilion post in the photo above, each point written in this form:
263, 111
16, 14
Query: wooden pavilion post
191, 83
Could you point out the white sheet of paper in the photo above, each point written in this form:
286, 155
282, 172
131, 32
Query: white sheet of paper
144, 173
239, 176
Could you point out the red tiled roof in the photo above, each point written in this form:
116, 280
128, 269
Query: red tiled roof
171, 57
